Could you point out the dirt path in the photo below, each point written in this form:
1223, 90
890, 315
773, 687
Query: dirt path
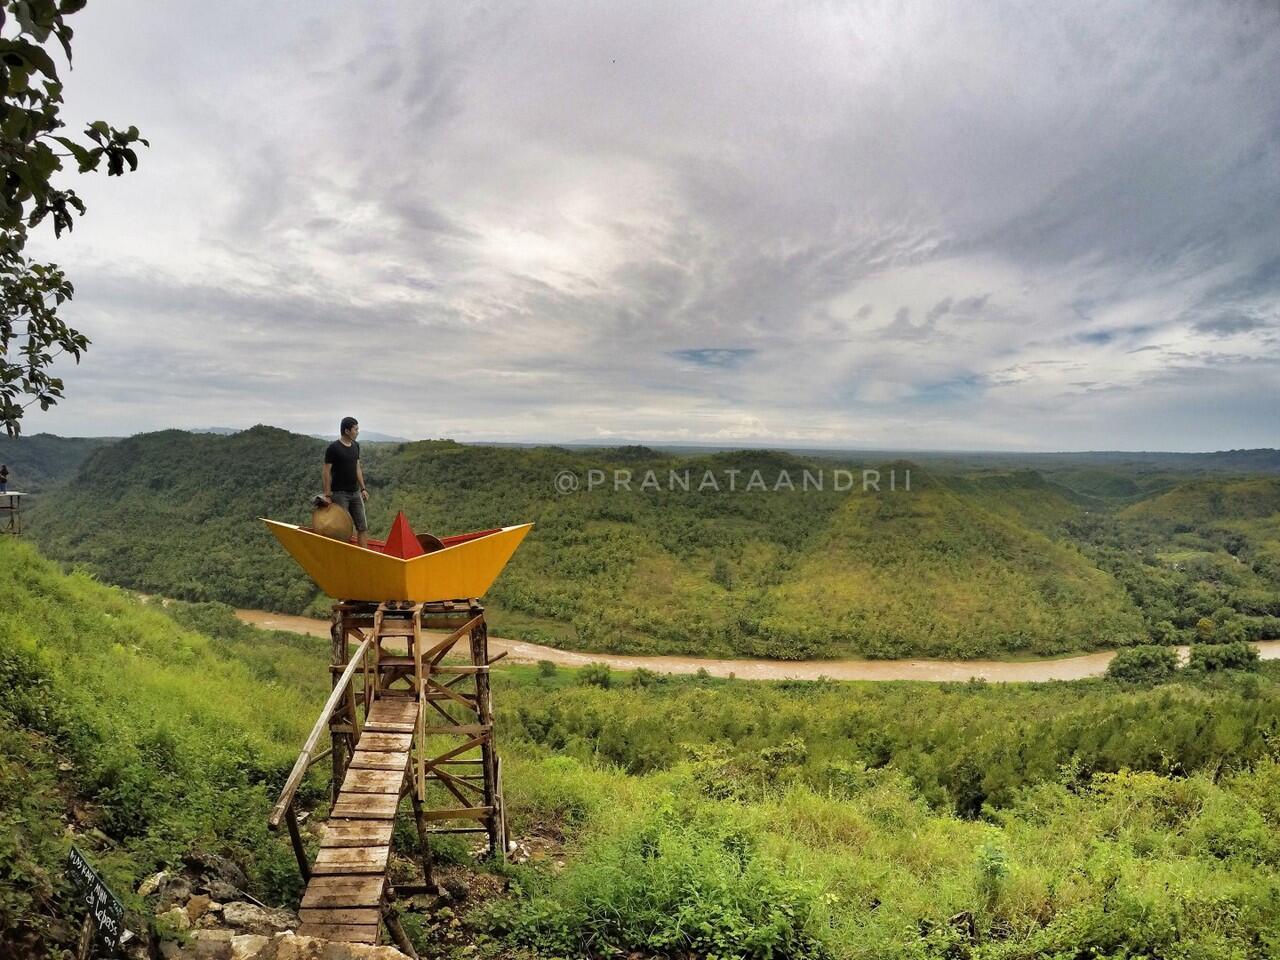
1030, 671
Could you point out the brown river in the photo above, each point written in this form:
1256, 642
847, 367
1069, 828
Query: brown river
998, 671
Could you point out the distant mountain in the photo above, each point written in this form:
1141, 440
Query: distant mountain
366, 436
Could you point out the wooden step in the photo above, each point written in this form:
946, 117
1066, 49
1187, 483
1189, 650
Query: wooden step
391, 710
397, 629
373, 781
366, 806
385, 726
390, 742
359, 916
340, 932
377, 760
344, 891
356, 833
340, 860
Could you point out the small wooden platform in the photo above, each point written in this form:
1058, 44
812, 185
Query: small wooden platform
344, 896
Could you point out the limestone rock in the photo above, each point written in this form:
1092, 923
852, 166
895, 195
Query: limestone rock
174, 919
223, 892
173, 891
255, 919
197, 906
202, 945
290, 946
213, 867
152, 883
247, 945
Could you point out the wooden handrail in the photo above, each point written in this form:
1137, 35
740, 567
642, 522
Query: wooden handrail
304, 758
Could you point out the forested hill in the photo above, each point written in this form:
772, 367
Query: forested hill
941, 568
973, 563
39, 461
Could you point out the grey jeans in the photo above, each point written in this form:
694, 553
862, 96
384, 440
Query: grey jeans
353, 503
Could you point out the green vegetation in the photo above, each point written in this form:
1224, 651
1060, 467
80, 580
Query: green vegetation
154, 741
38, 462
979, 563
1143, 665
33, 143
692, 815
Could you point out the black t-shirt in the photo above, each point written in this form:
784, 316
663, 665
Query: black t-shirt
344, 460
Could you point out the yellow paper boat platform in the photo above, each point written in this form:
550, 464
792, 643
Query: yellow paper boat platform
463, 568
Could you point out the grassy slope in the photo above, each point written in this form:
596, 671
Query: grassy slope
761, 820
160, 739
953, 568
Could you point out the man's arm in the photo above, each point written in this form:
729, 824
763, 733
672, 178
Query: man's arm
360, 479
325, 480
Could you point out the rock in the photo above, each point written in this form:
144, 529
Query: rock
152, 883
223, 892
203, 945
197, 905
292, 947
173, 890
213, 867
173, 920
247, 945
254, 919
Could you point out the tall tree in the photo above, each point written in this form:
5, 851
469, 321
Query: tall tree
32, 151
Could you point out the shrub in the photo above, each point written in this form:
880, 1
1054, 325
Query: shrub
669, 886
1143, 665
645, 678
546, 668
596, 675
1212, 657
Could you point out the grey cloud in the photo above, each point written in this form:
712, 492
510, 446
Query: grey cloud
562, 218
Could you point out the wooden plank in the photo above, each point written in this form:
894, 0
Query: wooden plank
392, 710
339, 860
300, 765
373, 781
366, 806
356, 833
345, 891
386, 741
385, 726
361, 916
340, 933
458, 813
376, 760
471, 729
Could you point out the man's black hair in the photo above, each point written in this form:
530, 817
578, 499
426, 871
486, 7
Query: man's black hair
347, 424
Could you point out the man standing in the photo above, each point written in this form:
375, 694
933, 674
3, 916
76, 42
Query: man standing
343, 478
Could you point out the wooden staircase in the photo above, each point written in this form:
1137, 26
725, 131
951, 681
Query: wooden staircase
383, 750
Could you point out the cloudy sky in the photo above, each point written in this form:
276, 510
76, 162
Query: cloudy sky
917, 225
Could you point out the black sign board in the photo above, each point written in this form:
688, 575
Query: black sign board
105, 910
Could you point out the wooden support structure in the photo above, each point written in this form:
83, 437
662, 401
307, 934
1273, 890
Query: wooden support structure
402, 722
11, 512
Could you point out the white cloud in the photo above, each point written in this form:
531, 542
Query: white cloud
922, 224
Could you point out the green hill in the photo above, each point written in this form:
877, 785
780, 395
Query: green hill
1206, 501
42, 460
954, 566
